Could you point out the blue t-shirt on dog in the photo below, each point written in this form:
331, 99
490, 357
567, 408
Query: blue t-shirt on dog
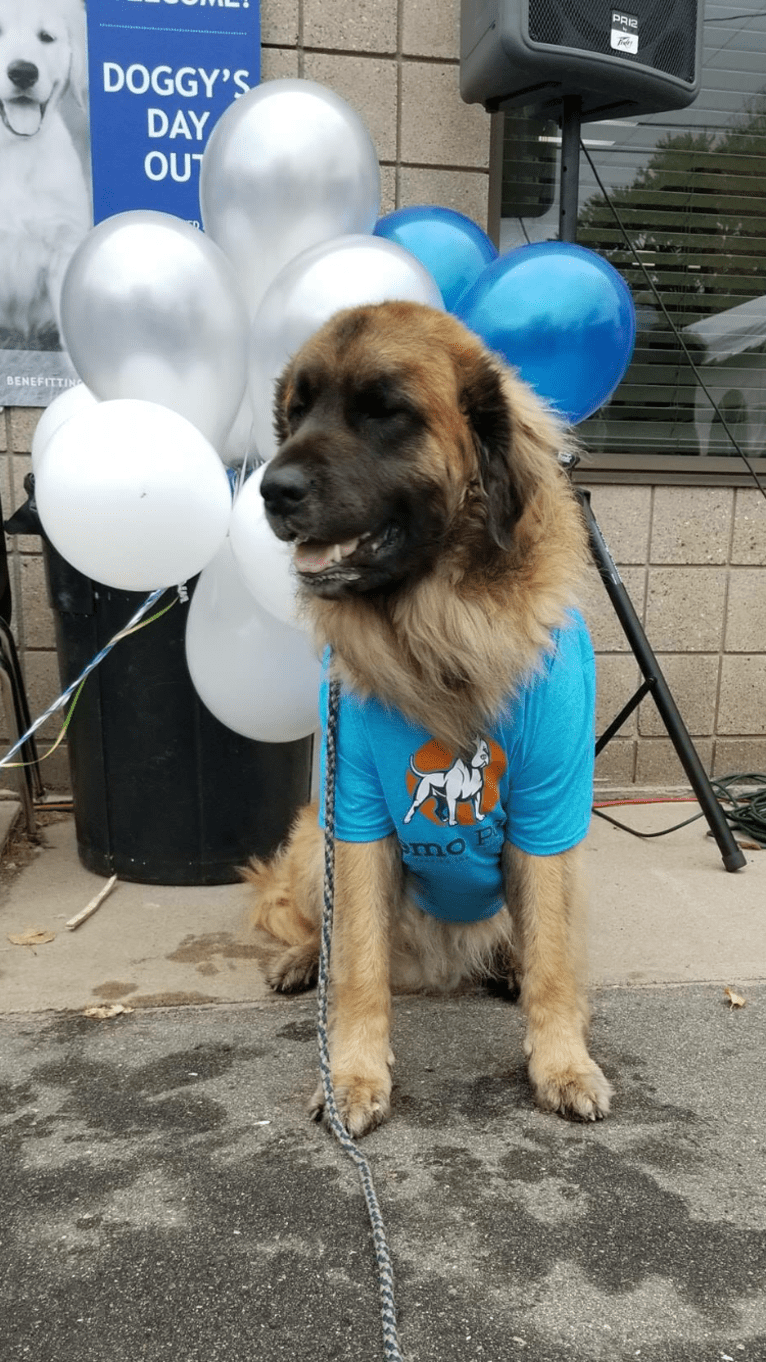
529, 781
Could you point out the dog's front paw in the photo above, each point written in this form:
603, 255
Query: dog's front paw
362, 1103
578, 1091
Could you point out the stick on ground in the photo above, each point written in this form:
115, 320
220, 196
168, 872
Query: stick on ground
91, 907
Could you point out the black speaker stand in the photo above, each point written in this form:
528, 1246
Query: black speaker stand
654, 682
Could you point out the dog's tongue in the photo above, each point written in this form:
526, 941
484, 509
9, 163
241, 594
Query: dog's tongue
313, 557
23, 116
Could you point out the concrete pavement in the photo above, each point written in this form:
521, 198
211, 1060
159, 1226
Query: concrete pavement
165, 1196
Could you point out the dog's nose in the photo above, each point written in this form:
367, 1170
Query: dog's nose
23, 74
283, 489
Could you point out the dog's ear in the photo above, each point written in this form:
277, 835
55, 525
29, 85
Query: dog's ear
484, 400
78, 68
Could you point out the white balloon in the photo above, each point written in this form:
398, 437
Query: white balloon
288, 164
61, 408
264, 562
257, 677
239, 442
132, 495
151, 309
346, 272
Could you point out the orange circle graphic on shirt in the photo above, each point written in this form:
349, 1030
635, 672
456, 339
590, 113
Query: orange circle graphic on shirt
433, 759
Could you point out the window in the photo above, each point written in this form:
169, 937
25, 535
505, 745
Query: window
690, 189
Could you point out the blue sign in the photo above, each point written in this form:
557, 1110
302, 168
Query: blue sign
161, 73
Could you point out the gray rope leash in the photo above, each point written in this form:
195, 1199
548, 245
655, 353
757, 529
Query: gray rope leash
385, 1271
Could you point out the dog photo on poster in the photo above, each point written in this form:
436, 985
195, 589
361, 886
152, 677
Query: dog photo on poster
105, 106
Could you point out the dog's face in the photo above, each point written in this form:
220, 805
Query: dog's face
481, 756
390, 419
36, 58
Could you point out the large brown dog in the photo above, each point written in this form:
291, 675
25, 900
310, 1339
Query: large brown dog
438, 545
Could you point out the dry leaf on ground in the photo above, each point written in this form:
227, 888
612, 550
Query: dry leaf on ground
107, 1012
734, 999
32, 936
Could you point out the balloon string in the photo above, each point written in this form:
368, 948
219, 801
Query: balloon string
132, 624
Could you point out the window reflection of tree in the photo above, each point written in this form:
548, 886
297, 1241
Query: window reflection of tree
696, 213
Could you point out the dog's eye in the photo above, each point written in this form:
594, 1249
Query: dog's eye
379, 403
45, 36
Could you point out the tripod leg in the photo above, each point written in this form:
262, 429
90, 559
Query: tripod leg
732, 856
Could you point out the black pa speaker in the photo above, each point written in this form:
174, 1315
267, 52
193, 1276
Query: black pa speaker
645, 58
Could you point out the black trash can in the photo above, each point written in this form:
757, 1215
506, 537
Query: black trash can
163, 793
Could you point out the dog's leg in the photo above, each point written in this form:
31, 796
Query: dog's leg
287, 907
547, 904
367, 884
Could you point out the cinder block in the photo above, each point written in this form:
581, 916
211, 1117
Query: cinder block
742, 700
437, 128
693, 682
685, 609
624, 517
657, 763
691, 524
733, 755
746, 611
387, 189
431, 30
749, 538
34, 605
23, 423
615, 766
617, 679
19, 465
365, 26
279, 63
605, 628
5, 485
55, 771
279, 24
368, 84
465, 191
43, 686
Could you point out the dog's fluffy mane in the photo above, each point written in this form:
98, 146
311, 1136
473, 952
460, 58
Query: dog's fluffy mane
448, 648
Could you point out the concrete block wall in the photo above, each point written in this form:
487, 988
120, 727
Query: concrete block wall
32, 622
693, 559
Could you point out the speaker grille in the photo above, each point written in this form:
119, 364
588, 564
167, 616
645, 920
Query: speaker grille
667, 31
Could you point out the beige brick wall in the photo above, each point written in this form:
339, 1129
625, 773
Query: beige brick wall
32, 623
693, 559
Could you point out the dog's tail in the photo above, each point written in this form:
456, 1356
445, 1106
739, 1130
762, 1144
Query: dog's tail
420, 774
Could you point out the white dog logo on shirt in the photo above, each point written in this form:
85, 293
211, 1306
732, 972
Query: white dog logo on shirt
459, 783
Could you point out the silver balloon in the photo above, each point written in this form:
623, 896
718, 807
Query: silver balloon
151, 309
287, 165
347, 272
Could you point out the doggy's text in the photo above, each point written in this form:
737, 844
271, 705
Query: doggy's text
190, 82
187, 81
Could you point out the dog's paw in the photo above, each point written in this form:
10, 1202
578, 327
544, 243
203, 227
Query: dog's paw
293, 970
362, 1104
579, 1092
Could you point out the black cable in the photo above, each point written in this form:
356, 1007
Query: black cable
671, 323
747, 814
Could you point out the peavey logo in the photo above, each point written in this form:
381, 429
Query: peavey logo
624, 32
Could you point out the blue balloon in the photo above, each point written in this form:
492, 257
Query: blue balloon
562, 316
452, 248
